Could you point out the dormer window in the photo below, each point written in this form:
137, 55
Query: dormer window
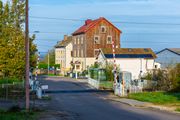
103, 29
146, 50
109, 39
96, 39
130, 50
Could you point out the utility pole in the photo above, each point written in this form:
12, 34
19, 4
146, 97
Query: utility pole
48, 62
27, 53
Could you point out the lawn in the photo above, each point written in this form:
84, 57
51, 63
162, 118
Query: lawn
9, 80
4, 115
158, 97
106, 84
178, 109
54, 75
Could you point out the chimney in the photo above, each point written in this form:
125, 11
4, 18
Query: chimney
88, 21
65, 37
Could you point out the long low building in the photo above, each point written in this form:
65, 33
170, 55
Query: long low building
168, 57
137, 61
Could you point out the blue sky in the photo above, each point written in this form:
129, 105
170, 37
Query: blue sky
134, 35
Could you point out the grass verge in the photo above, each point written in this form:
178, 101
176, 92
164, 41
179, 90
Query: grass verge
106, 84
177, 109
54, 75
157, 97
6, 115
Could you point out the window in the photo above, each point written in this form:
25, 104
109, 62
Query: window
96, 39
96, 52
78, 41
75, 41
82, 53
71, 53
146, 50
156, 66
103, 29
109, 39
77, 67
81, 40
130, 50
75, 53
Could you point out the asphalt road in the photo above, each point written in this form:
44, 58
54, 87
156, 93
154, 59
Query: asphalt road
90, 105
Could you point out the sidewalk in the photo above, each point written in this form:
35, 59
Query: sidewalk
140, 104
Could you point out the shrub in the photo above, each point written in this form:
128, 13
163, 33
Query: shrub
167, 80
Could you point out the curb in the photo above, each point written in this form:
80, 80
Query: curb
150, 105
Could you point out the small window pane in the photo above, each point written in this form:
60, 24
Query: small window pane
96, 40
109, 40
103, 29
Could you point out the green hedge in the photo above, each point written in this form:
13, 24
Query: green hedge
9, 80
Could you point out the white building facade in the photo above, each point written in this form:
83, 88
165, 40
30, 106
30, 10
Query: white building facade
136, 61
63, 54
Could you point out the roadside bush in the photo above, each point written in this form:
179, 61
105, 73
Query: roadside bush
167, 80
109, 67
174, 75
9, 80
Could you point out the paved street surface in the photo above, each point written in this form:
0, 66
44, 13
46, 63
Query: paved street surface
74, 100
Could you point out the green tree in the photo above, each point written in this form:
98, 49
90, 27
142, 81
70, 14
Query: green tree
12, 45
51, 57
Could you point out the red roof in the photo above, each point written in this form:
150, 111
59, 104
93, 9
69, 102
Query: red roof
90, 24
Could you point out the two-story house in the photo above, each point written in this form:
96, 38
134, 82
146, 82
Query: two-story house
89, 38
63, 54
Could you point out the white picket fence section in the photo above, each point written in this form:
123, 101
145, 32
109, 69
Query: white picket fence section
94, 83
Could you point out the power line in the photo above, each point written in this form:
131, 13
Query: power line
56, 18
124, 41
47, 32
123, 33
123, 22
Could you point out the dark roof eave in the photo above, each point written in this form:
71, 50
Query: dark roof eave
78, 33
146, 56
59, 46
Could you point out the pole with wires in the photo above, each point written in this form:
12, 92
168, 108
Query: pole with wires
27, 54
48, 62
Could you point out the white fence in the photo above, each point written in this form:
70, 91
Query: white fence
94, 83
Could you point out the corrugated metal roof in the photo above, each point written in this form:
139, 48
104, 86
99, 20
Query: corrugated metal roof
174, 50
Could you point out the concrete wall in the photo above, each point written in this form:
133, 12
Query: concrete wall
167, 58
